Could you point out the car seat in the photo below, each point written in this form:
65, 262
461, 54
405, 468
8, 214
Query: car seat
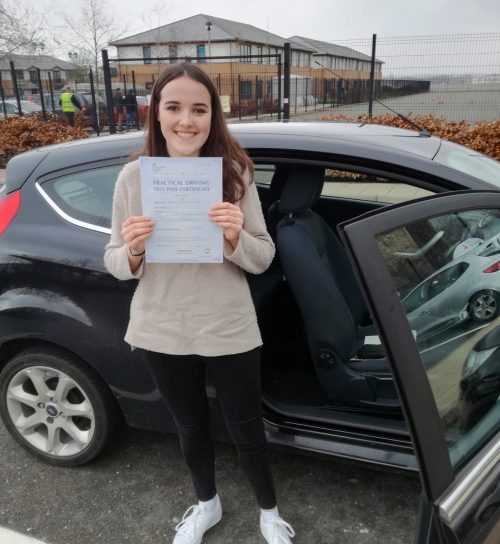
321, 278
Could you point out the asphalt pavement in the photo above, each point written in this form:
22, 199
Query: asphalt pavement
138, 491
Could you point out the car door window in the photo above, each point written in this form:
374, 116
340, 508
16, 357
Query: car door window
85, 196
359, 186
264, 173
446, 270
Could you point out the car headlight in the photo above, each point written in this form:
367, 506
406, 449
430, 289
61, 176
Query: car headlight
475, 359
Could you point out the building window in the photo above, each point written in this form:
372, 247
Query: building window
246, 88
56, 76
19, 75
245, 49
33, 76
146, 55
276, 52
200, 52
172, 53
259, 52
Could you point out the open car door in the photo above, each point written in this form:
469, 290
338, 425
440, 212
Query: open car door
417, 262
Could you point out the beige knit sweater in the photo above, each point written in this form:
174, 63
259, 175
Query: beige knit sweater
181, 309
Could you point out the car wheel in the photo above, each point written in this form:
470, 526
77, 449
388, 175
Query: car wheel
56, 407
483, 306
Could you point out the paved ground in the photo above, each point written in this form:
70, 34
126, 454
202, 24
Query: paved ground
137, 493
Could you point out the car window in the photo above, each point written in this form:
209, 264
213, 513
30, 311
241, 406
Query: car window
87, 195
434, 286
264, 173
349, 184
447, 272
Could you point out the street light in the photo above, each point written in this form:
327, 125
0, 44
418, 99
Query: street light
208, 24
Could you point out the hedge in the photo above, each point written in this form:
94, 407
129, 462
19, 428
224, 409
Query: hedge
483, 137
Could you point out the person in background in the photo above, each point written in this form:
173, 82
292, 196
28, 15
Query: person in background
130, 103
118, 104
189, 319
69, 104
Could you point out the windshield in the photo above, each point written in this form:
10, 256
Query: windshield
469, 161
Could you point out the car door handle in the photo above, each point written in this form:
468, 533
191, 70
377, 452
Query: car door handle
424, 312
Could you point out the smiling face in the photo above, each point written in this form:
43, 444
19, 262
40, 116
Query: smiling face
185, 115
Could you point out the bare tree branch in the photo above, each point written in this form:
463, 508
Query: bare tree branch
21, 30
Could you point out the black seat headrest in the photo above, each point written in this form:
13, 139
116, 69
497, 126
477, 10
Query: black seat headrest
303, 189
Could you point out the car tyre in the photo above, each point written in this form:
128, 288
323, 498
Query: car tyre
483, 306
56, 407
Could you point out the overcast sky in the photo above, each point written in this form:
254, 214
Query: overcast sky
327, 20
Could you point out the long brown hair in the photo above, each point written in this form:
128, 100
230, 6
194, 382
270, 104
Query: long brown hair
220, 142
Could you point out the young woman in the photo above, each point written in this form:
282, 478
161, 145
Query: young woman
188, 318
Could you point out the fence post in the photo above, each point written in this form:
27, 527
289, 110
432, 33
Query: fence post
286, 82
51, 91
16, 88
109, 93
256, 97
95, 104
279, 88
239, 96
40, 91
137, 106
2, 96
372, 76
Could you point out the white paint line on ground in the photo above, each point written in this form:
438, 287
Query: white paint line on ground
11, 537
454, 338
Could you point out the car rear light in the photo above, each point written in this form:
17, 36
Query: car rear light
493, 268
9, 206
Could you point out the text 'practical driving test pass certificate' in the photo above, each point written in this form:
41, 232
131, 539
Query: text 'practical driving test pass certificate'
177, 194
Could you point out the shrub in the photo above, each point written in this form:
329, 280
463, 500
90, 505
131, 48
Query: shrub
18, 134
483, 137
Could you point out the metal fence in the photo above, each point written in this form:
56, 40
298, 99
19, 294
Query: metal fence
453, 76
249, 86
459, 76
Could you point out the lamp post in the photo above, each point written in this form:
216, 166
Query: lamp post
74, 58
208, 24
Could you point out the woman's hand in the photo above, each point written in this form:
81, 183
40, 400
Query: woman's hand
230, 218
134, 231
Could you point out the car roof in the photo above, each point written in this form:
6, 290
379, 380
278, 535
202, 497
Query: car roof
345, 141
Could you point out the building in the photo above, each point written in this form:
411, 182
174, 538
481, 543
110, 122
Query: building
202, 36
351, 64
25, 67
244, 61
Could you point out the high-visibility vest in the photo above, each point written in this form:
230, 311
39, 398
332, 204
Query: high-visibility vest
67, 105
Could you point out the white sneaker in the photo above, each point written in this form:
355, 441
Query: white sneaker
195, 522
277, 531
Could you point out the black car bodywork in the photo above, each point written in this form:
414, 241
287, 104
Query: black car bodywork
61, 310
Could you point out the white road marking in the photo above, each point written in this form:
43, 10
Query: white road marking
454, 338
11, 537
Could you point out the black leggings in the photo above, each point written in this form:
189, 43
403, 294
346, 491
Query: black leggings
181, 381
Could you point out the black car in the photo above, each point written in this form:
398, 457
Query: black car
361, 214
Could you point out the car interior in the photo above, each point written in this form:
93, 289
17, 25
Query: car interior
321, 356
320, 352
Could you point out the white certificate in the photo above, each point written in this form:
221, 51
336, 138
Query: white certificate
177, 193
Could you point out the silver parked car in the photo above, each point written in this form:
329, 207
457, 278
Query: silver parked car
12, 110
468, 287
